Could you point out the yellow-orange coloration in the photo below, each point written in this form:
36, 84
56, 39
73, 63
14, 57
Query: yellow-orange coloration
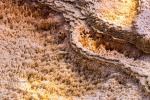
118, 12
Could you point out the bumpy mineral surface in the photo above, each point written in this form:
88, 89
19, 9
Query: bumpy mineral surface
118, 12
123, 19
74, 49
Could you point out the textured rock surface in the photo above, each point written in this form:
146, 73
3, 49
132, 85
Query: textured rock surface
142, 25
75, 11
36, 55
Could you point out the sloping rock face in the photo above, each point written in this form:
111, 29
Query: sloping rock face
108, 31
127, 20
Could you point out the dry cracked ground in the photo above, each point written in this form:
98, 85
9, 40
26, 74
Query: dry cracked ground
37, 63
